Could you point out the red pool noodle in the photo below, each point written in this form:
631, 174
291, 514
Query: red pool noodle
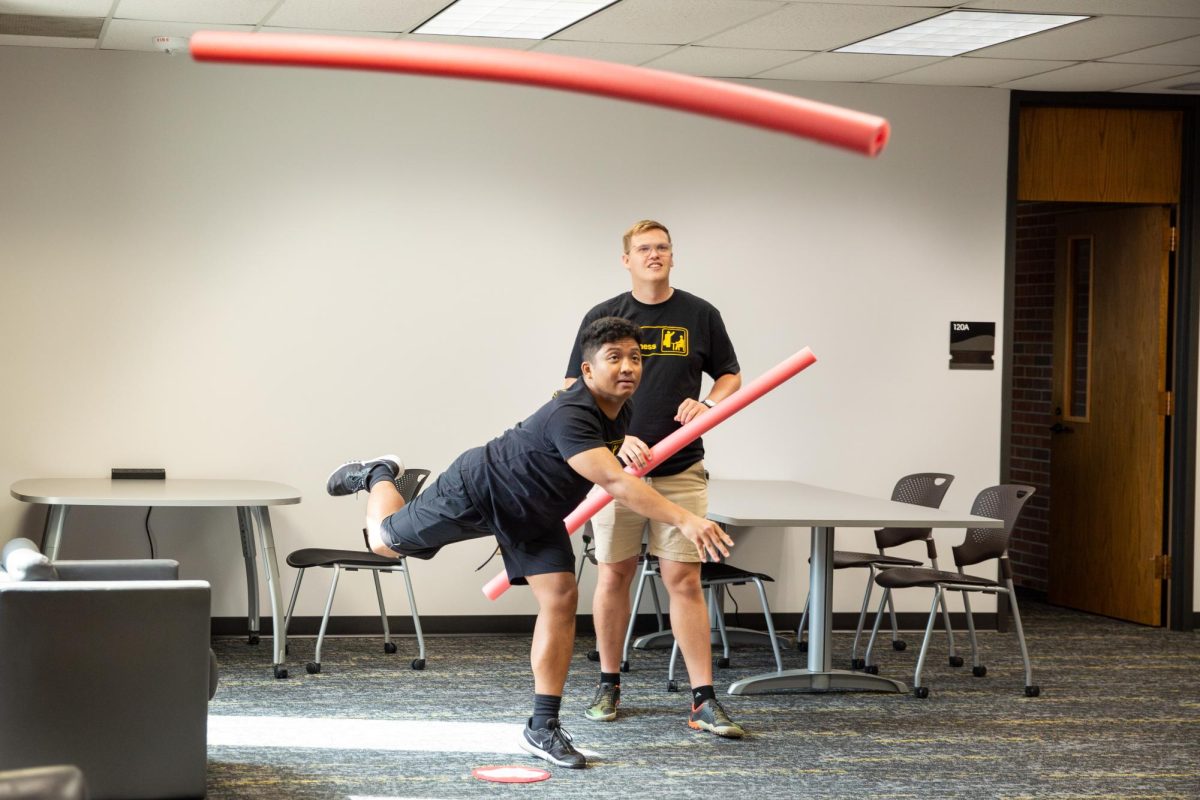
853, 130
669, 446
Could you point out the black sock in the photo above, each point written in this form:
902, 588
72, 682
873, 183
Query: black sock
379, 472
545, 708
610, 677
702, 693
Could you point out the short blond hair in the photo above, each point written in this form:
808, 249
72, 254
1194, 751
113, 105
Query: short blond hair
641, 227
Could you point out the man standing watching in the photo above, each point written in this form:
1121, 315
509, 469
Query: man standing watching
683, 337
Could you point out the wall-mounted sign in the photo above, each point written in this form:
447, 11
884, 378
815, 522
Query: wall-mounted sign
972, 345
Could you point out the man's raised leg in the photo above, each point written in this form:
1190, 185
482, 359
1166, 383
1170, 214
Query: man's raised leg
377, 476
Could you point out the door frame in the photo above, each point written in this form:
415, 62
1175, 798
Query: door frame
1184, 328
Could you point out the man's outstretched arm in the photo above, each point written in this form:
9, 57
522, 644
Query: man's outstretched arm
601, 467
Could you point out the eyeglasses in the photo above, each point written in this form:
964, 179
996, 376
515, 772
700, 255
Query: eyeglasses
645, 249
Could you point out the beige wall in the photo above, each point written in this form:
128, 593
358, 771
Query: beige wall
257, 273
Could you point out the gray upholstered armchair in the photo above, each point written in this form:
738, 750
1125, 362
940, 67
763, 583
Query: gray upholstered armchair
106, 665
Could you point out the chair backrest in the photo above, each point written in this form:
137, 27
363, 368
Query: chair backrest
920, 489
1003, 502
409, 484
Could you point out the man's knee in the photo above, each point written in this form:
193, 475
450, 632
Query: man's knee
556, 593
616, 577
680, 577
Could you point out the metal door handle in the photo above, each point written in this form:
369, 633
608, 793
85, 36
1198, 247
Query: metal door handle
1058, 427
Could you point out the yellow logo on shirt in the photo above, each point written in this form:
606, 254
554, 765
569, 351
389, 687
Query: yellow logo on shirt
664, 340
616, 446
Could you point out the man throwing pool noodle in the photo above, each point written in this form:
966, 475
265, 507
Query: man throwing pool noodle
518, 487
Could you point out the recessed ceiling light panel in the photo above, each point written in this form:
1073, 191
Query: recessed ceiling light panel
958, 32
510, 19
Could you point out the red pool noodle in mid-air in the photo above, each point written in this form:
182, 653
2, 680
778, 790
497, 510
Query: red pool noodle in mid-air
853, 130
669, 446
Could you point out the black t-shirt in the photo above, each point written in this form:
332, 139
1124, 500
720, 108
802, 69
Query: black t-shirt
521, 482
682, 338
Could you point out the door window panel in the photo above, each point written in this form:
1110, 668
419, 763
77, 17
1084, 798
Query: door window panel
1079, 326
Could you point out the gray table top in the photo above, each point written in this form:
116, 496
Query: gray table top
189, 492
785, 504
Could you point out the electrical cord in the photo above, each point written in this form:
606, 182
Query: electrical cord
149, 535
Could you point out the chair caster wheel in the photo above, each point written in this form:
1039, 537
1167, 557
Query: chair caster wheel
921, 692
418, 664
956, 661
979, 671
624, 666
857, 663
672, 686
723, 663
1032, 691
389, 647
871, 669
280, 672
593, 655
313, 667
252, 639
899, 644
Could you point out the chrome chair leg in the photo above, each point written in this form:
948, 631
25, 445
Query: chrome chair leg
918, 689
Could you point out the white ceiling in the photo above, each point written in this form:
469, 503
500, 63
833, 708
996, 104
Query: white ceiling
1127, 45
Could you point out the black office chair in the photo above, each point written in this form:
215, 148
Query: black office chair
921, 489
980, 544
409, 485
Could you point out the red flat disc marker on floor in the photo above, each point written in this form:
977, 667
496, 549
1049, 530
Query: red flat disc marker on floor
510, 774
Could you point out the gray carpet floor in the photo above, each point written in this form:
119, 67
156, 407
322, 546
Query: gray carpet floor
1118, 717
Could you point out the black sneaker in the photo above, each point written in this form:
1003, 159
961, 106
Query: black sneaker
351, 477
604, 705
553, 744
712, 718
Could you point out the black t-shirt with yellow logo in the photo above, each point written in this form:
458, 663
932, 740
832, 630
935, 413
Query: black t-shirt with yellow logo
682, 338
521, 482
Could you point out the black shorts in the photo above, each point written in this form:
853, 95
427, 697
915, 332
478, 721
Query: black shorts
444, 514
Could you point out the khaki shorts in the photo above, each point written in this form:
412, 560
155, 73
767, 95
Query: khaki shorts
619, 531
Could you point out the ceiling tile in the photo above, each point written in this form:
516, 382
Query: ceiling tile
327, 32
618, 52
964, 71
1185, 51
818, 27
1144, 8
852, 67
1093, 77
666, 21
356, 15
499, 42
46, 41
1095, 38
57, 8
136, 34
226, 12
721, 62
1164, 85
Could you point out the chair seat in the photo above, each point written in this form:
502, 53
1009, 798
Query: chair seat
716, 573
843, 559
321, 557
900, 578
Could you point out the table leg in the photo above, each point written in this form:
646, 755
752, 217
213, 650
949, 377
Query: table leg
820, 676
253, 617
56, 518
271, 567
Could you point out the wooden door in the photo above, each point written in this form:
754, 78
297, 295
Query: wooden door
1110, 402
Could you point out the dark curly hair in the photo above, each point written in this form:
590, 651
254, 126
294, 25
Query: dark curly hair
607, 330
